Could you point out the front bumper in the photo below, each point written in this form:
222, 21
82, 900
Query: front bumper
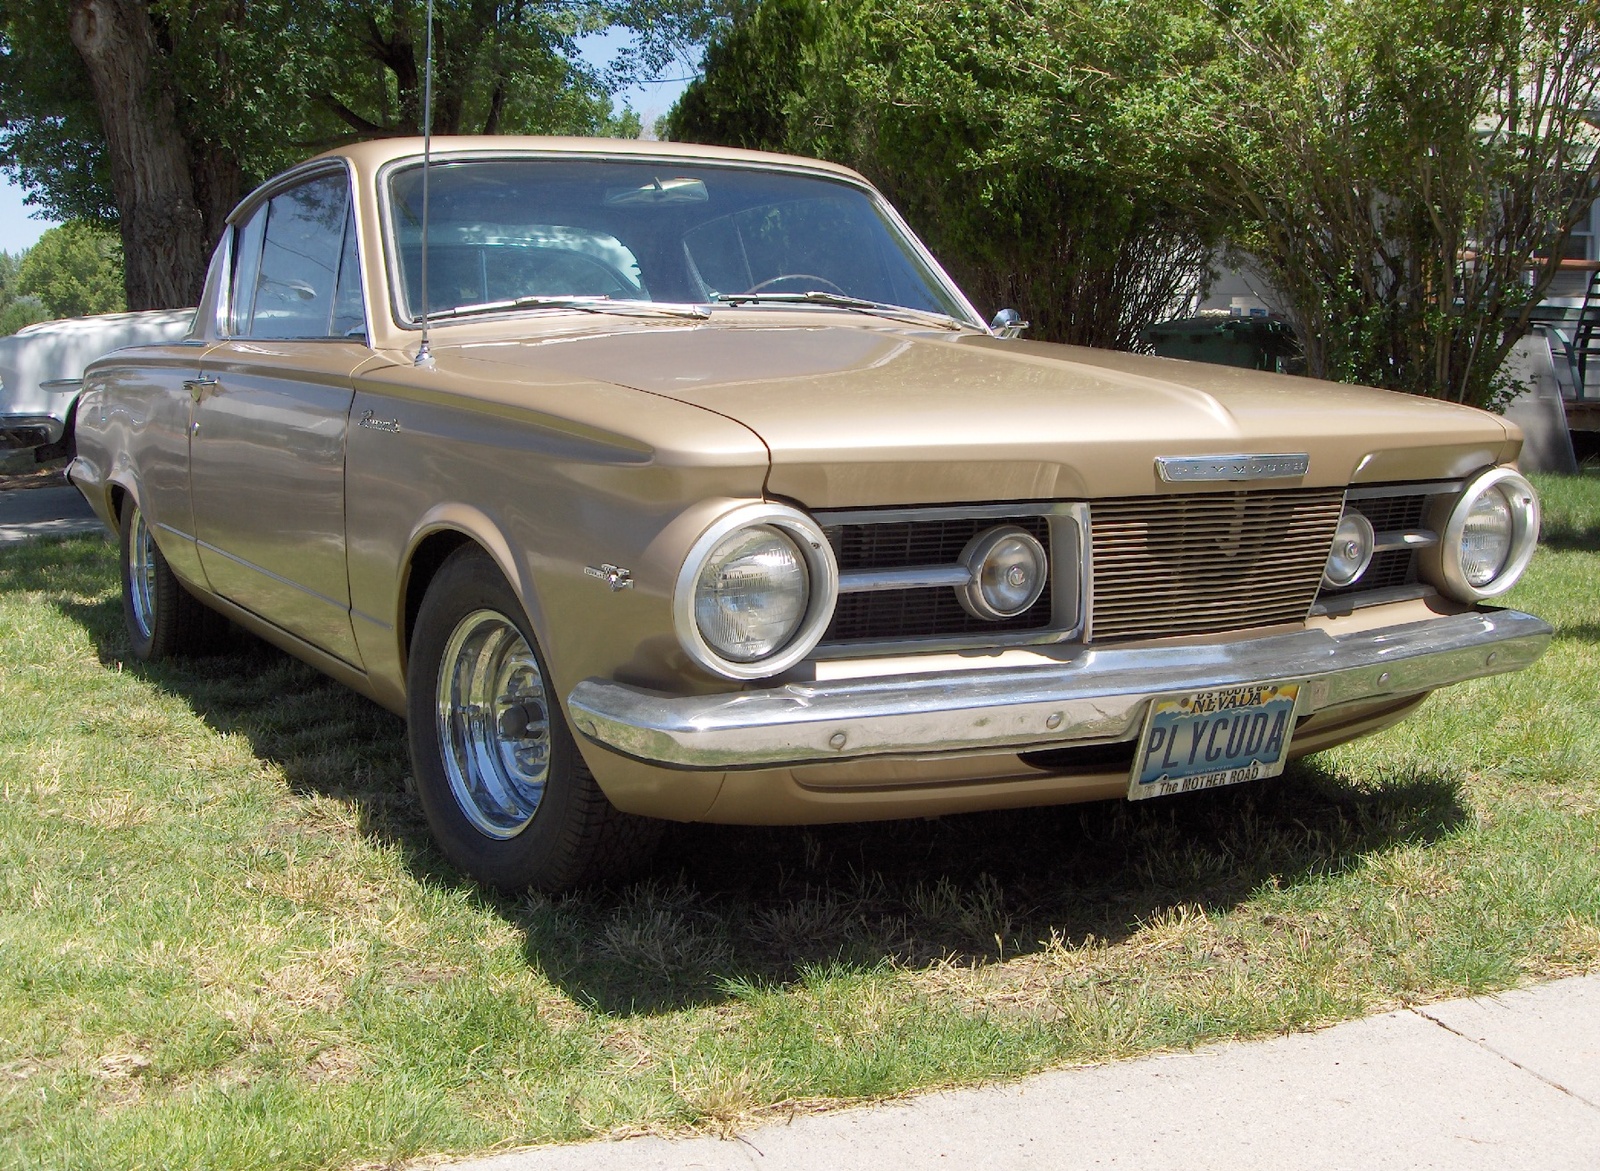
1096, 696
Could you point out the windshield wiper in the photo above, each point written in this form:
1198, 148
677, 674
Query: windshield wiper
840, 301
582, 304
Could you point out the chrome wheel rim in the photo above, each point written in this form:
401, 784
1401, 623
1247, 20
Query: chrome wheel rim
494, 724
142, 574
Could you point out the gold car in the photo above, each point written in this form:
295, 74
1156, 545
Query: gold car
662, 482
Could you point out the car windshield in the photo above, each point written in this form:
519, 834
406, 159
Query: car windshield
527, 233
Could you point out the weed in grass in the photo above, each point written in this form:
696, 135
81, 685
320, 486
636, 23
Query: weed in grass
225, 940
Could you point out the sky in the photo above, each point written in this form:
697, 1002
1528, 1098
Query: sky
18, 230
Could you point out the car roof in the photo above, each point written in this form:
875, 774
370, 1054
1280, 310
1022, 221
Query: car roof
371, 155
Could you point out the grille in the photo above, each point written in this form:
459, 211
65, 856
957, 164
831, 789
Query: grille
1174, 565
894, 615
1395, 567
1390, 514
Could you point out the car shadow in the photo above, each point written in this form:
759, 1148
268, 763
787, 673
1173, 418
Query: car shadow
724, 907
1571, 538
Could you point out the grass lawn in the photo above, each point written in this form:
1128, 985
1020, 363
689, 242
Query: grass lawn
226, 942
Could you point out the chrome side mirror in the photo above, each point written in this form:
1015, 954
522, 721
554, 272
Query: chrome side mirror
1007, 323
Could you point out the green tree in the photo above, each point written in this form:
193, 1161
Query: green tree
74, 270
158, 115
1407, 172
22, 311
1036, 186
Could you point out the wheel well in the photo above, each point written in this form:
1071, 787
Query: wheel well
426, 559
67, 445
118, 495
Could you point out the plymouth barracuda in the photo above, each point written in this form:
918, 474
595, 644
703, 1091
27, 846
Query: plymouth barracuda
651, 481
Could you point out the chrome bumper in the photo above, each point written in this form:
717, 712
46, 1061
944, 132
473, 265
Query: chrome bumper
1098, 696
35, 430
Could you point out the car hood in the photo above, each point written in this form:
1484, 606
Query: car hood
856, 415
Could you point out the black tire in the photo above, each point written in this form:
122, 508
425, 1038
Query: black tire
572, 835
163, 618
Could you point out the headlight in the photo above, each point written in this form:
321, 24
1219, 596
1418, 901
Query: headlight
1353, 543
756, 592
1489, 537
751, 594
1008, 567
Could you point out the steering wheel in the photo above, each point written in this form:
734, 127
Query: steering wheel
796, 276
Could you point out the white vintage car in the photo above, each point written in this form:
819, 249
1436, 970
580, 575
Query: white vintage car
41, 375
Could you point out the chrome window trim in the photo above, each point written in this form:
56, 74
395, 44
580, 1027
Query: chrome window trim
1068, 523
884, 207
246, 207
223, 309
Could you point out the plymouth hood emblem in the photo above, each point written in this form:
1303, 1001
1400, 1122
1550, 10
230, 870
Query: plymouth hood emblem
1185, 469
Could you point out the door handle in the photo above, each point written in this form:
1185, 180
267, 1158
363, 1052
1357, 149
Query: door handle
199, 387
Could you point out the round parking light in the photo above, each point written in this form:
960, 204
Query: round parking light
1009, 569
1353, 544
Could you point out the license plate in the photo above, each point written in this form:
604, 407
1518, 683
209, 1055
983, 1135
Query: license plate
1210, 738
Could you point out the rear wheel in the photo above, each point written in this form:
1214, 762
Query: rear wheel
162, 617
507, 795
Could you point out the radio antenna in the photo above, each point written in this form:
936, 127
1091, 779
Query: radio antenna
424, 351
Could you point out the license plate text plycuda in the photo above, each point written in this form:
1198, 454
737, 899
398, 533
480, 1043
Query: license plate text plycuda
1210, 738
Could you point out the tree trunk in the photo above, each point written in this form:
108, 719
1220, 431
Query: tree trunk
163, 242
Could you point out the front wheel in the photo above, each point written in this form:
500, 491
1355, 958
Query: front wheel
506, 793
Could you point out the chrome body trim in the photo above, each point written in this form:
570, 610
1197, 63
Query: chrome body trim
31, 427
1091, 696
1190, 469
1410, 539
916, 577
1383, 491
1352, 600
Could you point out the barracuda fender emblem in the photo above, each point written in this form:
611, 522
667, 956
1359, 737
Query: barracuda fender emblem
1186, 469
614, 576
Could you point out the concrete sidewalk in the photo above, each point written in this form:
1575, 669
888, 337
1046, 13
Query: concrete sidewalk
1510, 1081
44, 512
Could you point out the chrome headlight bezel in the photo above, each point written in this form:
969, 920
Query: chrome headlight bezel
823, 590
1523, 502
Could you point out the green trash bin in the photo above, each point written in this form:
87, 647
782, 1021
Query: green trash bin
1255, 343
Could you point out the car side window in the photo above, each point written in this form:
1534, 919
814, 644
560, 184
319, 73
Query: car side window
349, 313
297, 277
246, 268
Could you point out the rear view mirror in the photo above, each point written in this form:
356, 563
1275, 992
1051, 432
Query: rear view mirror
658, 191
